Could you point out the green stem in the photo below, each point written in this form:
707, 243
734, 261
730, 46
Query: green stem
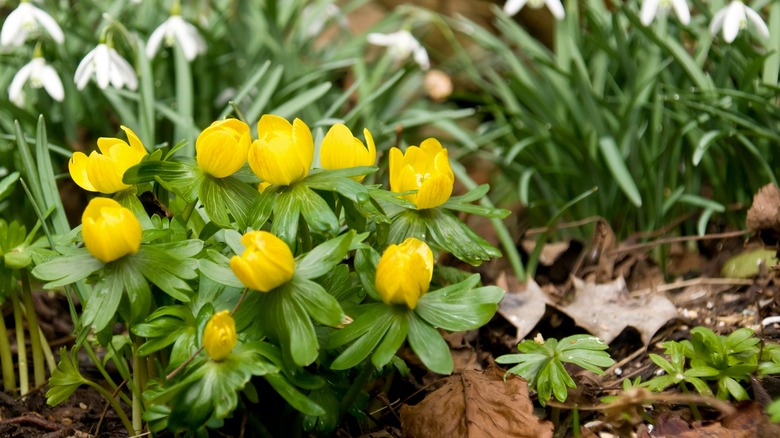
575, 420
39, 370
357, 386
9, 375
185, 215
114, 404
47, 353
21, 348
139, 381
102, 370
510, 249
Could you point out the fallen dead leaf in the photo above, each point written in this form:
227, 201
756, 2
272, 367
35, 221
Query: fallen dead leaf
748, 421
523, 305
605, 310
475, 404
765, 210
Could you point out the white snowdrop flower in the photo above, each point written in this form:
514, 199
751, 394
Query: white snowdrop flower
176, 29
511, 7
26, 20
108, 67
734, 18
651, 8
39, 75
401, 45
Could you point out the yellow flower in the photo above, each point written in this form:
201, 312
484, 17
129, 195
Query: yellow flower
425, 169
341, 150
283, 152
219, 336
109, 230
266, 263
404, 272
102, 172
221, 149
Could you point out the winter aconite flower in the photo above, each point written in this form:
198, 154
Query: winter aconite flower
734, 18
341, 150
108, 68
401, 45
283, 152
404, 272
219, 336
222, 148
39, 75
511, 7
109, 230
650, 9
425, 169
26, 20
173, 30
266, 263
102, 172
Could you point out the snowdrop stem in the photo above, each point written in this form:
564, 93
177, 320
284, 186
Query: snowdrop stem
38, 51
772, 63
176, 7
114, 25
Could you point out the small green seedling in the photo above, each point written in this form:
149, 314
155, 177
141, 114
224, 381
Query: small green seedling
541, 363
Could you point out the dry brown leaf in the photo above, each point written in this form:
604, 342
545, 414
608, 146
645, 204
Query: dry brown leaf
605, 310
765, 211
475, 404
748, 421
523, 305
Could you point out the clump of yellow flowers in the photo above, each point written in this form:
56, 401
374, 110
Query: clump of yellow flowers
265, 264
102, 172
109, 230
219, 336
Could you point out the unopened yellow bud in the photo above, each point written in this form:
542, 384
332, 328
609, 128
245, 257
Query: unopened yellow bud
109, 230
341, 150
404, 272
219, 336
266, 263
222, 148
283, 152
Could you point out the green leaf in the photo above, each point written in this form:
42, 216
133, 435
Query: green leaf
181, 177
463, 203
65, 379
221, 196
452, 235
8, 184
157, 263
296, 399
392, 341
287, 213
368, 329
427, 344
101, 307
319, 217
339, 181
365, 267
319, 304
408, 223
218, 269
746, 264
617, 166
324, 256
460, 307
67, 269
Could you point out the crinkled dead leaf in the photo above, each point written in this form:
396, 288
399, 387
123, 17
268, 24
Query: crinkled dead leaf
764, 213
605, 310
748, 421
523, 304
476, 404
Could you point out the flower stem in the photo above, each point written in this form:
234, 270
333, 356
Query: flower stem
185, 215
102, 370
21, 348
114, 404
9, 375
39, 370
357, 386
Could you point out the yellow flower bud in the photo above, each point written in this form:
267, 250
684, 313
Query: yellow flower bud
109, 230
221, 149
219, 336
341, 150
425, 169
266, 263
283, 152
102, 172
404, 272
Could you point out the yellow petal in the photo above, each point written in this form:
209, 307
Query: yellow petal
104, 174
265, 264
304, 144
106, 143
396, 163
336, 149
78, 171
135, 142
109, 230
219, 336
270, 125
371, 147
434, 191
